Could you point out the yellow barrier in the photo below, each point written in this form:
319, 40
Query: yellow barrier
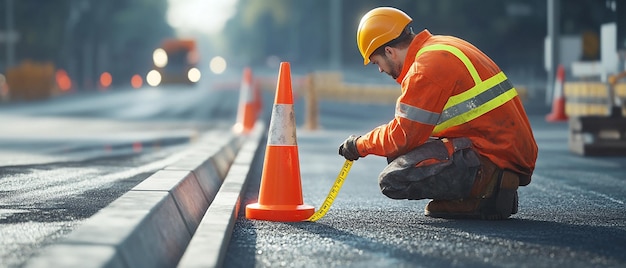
590, 98
4, 88
620, 89
330, 86
30, 81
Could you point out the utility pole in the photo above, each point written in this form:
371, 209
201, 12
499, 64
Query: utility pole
10, 34
335, 34
620, 9
554, 35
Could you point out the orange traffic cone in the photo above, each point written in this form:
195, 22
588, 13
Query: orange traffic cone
247, 111
558, 102
280, 194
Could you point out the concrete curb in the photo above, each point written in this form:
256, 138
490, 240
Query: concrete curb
210, 241
152, 224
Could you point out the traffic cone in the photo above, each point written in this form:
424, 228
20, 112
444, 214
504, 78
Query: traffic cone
247, 111
280, 193
558, 102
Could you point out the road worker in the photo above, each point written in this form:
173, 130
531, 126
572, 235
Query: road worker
460, 135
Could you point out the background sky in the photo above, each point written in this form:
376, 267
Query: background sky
204, 16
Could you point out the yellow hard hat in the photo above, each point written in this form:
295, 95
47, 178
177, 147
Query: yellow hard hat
379, 26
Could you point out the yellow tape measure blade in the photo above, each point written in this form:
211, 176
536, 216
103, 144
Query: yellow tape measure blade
333, 192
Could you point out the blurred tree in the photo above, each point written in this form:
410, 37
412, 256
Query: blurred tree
117, 36
264, 31
512, 32
255, 32
299, 30
40, 26
135, 31
87, 37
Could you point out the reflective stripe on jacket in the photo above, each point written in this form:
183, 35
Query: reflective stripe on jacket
451, 89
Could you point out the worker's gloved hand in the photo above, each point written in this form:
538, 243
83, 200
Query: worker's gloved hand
348, 148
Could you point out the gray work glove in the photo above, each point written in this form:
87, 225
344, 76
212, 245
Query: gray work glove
348, 148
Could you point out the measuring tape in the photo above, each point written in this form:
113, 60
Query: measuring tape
333, 192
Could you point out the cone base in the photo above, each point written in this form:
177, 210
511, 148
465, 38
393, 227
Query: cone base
238, 128
555, 118
281, 213
558, 111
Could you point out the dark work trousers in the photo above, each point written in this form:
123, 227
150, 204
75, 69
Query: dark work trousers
442, 169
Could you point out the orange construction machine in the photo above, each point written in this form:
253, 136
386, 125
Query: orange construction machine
175, 62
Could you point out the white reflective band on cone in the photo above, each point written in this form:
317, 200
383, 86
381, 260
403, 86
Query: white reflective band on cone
246, 93
282, 129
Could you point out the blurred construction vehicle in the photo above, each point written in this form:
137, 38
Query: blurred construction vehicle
175, 62
30, 81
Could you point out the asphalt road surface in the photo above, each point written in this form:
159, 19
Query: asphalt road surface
573, 214
63, 159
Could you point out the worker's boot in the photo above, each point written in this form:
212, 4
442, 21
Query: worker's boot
493, 197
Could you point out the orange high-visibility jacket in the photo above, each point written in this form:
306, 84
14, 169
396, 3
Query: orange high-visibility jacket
451, 89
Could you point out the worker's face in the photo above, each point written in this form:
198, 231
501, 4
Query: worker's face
388, 63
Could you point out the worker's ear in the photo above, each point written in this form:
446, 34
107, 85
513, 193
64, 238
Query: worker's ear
391, 52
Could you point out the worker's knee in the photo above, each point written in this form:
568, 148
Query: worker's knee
431, 171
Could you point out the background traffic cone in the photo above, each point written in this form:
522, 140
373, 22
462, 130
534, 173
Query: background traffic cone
247, 111
558, 102
280, 193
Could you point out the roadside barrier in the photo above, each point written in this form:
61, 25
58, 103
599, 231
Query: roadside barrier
152, 224
31, 81
597, 125
209, 243
320, 85
280, 193
591, 98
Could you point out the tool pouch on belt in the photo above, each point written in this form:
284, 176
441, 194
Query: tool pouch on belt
439, 169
